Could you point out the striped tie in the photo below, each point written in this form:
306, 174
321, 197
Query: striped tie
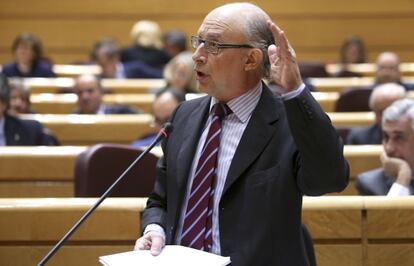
198, 216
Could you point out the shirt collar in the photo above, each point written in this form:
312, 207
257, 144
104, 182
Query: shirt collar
243, 105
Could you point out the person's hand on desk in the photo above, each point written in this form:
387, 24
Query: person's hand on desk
397, 168
152, 240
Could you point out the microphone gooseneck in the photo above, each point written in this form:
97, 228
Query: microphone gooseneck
162, 134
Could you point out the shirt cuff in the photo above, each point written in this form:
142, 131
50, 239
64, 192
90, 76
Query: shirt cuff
398, 190
293, 94
156, 228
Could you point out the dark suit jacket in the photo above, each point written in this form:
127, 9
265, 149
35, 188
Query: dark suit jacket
116, 109
287, 149
374, 182
365, 135
39, 69
21, 132
151, 56
138, 69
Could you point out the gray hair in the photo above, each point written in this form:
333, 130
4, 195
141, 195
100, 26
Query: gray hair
399, 109
260, 36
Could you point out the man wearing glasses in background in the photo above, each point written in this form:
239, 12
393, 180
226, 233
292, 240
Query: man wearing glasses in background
239, 160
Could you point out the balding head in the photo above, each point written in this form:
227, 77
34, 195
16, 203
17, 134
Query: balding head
383, 96
164, 105
90, 94
388, 68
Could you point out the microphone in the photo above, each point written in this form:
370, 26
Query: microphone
162, 134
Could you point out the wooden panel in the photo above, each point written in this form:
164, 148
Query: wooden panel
36, 189
390, 254
390, 218
138, 8
38, 163
338, 255
46, 103
56, 85
339, 84
68, 255
352, 118
92, 129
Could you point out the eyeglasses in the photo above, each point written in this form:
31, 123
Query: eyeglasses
213, 47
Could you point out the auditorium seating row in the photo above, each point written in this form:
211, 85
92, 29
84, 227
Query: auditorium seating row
75, 129
59, 85
365, 69
352, 230
52, 103
49, 171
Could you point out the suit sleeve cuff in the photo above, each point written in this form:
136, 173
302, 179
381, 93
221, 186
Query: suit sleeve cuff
156, 228
293, 94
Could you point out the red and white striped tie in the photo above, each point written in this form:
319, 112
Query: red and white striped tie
198, 216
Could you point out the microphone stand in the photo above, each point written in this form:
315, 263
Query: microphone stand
164, 132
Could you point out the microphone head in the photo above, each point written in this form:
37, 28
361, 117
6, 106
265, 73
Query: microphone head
167, 129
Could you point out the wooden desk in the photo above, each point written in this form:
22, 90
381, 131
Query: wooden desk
352, 119
76, 70
368, 69
339, 84
49, 171
52, 103
327, 100
92, 129
343, 229
56, 85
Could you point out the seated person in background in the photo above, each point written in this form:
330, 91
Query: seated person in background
15, 131
352, 52
19, 98
175, 42
395, 178
107, 56
180, 74
147, 45
381, 97
163, 106
90, 96
27, 51
388, 70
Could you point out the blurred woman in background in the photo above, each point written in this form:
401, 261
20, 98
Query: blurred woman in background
29, 62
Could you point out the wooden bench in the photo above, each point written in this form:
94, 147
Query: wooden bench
91, 129
339, 84
327, 100
367, 69
348, 230
51, 103
49, 171
58, 85
67, 70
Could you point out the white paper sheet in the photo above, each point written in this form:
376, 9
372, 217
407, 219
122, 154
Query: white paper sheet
170, 255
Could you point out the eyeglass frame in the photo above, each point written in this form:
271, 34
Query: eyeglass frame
196, 41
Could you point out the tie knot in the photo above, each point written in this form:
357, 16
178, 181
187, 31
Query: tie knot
221, 110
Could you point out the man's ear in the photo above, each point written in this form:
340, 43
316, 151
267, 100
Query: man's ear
254, 59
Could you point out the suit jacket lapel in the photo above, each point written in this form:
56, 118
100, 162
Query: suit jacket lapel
255, 137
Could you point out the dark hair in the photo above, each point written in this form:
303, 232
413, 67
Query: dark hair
354, 40
4, 89
177, 38
33, 41
108, 46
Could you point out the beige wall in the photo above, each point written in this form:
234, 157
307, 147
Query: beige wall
315, 28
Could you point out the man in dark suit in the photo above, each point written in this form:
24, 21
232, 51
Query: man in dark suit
272, 150
90, 96
15, 131
381, 97
107, 55
395, 178
388, 70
